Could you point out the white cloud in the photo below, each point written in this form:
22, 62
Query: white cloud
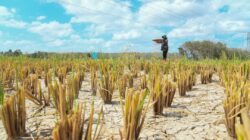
96, 11
126, 35
114, 26
213, 23
96, 30
76, 43
13, 10
13, 23
108, 15
60, 36
56, 43
5, 12
136, 28
230, 25
51, 30
6, 18
75, 39
41, 18
16, 42
171, 13
24, 45
193, 28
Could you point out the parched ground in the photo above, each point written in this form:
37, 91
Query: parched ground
197, 116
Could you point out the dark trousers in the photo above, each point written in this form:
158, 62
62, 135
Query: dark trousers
164, 54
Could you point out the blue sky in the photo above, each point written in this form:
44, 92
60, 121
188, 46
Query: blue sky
119, 25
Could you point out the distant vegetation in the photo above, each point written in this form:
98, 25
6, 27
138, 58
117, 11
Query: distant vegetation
193, 50
79, 55
12, 53
213, 50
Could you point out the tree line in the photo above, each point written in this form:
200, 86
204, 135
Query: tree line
212, 50
12, 53
192, 50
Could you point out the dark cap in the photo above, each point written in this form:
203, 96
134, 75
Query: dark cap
164, 37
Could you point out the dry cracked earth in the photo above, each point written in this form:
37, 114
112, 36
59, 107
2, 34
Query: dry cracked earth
198, 116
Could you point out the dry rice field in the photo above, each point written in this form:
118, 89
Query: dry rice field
119, 99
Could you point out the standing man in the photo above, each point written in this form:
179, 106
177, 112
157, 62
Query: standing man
164, 47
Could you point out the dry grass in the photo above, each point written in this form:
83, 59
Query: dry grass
13, 114
48, 78
130, 80
71, 127
63, 101
237, 95
157, 95
143, 82
93, 77
182, 84
62, 73
243, 129
122, 85
134, 114
8, 77
206, 75
64, 80
32, 86
107, 84
168, 90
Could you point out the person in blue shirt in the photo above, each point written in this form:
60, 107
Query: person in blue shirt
94, 55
